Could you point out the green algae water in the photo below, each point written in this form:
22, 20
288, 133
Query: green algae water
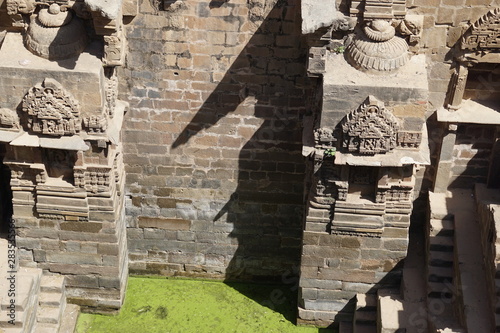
159, 305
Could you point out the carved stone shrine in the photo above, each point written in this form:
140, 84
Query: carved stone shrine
365, 142
60, 128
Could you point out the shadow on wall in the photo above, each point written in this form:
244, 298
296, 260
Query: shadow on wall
476, 148
266, 208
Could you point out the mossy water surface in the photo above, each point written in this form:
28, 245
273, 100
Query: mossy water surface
159, 305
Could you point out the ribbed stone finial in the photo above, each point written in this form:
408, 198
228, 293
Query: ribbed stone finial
55, 34
377, 48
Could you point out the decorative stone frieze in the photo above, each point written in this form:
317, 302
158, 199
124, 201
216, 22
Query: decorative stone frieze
111, 90
371, 129
51, 109
484, 33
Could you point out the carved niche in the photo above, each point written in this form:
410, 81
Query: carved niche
370, 129
51, 110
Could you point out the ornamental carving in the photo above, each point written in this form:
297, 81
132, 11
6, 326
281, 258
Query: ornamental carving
51, 109
113, 49
370, 129
409, 139
93, 179
484, 33
96, 124
15, 7
111, 91
9, 120
378, 9
323, 137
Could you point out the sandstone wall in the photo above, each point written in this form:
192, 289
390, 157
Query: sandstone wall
217, 90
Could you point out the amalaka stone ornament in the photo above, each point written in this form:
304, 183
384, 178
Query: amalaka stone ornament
378, 48
54, 33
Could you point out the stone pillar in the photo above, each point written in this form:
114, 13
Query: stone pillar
457, 86
445, 160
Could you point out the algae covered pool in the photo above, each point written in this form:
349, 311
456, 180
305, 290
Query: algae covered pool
160, 305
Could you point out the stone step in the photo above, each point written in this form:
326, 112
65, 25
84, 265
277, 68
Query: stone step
46, 328
366, 301
451, 330
442, 228
441, 271
364, 328
441, 240
52, 283
12, 330
26, 299
443, 224
444, 289
390, 312
439, 279
69, 318
27, 285
345, 327
50, 315
365, 315
51, 299
440, 256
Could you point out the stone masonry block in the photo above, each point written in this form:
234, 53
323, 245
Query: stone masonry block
163, 223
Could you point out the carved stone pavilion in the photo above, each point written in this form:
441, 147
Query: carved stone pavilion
346, 148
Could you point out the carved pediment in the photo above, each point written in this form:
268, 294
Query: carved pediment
370, 129
484, 33
51, 109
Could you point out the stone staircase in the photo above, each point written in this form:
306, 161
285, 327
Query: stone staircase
40, 300
365, 316
440, 271
444, 288
457, 282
